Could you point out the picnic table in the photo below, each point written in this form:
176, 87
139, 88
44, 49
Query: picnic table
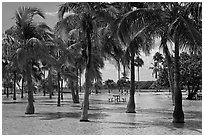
116, 98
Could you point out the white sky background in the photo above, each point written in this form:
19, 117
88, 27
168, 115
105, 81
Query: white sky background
50, 9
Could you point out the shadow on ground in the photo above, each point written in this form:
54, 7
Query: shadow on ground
14, 102
193, 120
60, 115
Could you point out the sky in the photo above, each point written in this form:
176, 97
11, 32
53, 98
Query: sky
50, 9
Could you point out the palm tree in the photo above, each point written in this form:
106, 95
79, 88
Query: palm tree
183, 30
85, 18
132, 33
164, 39
29, 38
64, 59
158, 59
185, 34
138, 63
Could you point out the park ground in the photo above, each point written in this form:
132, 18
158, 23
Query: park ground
153, 116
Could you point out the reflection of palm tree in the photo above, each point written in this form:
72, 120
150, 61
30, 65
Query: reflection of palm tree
138, 63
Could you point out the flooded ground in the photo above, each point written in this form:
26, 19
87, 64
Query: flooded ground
153, 116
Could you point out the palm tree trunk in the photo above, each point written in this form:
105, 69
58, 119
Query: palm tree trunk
50, 84
22, 87
124, 71
44, 93
84, 114
170, 78
73, 91
80, 80
169, 64
4, 90
118, 70
77, 87
178, 115
62, 97
14, 86
131, 102
58, 88
138, 71
7, 92
77, 95
30, 107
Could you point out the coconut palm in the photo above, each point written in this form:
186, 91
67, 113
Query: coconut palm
179, 24
85, 18
158, 59
184, 33
132, 33
29, 37
138, 63
64, 58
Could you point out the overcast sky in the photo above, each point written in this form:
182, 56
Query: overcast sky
50, 9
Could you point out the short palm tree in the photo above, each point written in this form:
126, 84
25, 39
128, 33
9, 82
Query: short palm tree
158, 59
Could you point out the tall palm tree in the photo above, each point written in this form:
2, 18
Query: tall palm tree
138, 63
29, 38
164, 39
185, 34
132, 33
86, 17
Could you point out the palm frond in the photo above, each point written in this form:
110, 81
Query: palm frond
137, 20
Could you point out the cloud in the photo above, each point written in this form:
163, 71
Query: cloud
51, 13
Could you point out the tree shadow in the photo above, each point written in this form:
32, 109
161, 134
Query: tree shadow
193, 120
15, 102
60, 115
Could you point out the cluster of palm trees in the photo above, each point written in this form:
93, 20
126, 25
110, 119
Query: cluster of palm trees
89, 33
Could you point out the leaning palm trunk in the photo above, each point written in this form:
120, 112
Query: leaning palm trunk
131, 102
58, 89
84, 114
178, 115
30, 107
169, 64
